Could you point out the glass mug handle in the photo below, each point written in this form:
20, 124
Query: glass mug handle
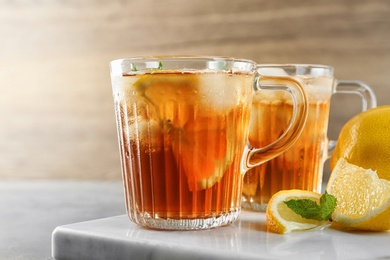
256, 156
353, 87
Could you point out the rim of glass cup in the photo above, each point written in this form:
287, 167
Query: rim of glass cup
144, 64
295, 69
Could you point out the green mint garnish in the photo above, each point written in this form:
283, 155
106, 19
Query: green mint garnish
134, 68
160, 65
309, 209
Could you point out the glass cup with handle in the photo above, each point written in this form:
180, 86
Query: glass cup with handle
301, 166
183, 125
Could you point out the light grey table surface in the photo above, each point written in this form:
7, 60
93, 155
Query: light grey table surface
30, 211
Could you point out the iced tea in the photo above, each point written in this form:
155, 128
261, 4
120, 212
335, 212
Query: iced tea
182, 136
183, 125
299, 167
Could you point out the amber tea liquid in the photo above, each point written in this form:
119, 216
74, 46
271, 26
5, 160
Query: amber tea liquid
181, 139
299, 167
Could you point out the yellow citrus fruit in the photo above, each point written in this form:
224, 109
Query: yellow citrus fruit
365, 141
281, 219
202, 144
363, 199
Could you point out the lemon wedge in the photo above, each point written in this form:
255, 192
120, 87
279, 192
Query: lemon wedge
363, 199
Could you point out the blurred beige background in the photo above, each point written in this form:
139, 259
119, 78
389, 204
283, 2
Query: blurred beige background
56, 109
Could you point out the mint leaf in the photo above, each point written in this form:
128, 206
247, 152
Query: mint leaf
328, 204
309, 209
160, 65
134, 67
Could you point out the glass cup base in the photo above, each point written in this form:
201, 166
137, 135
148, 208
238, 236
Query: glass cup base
185, 224
254, 206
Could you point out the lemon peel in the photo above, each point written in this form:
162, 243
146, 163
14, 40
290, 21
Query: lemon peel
365, 141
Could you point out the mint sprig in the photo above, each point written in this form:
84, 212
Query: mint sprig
309, 209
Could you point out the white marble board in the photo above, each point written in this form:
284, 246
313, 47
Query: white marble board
118, 238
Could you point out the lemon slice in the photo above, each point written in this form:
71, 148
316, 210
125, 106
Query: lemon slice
281, 219
363, 199
204, 150
196, 122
